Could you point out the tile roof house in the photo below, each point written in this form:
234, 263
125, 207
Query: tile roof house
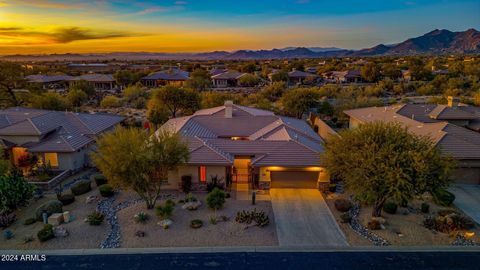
453, 128
349, 76
100, 82
173, 76
250, 147
63, 139
228, 78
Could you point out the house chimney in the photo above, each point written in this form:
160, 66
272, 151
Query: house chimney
228, 109
453, 101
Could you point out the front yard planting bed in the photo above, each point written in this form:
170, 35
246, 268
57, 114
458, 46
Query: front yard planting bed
180, 233
404, 228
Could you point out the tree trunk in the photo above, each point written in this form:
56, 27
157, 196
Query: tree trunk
377, 208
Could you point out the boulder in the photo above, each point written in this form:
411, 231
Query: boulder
192, 205
60, 231
55, 219
165, 222
91, 199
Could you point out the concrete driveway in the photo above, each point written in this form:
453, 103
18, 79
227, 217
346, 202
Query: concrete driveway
303, 218
467, 198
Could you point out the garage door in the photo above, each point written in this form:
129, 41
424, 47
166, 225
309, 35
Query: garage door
467, 176
293, 179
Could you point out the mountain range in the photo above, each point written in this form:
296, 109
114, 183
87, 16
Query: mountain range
435, 42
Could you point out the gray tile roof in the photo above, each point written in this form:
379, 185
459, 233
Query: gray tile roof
58, 131
267, 137
228, 75
457, 141
300, 74
169, 75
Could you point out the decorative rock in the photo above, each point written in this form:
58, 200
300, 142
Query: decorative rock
192, 205
66, 216
140, 234
60, 231
55, 219
91, 199
380, 220
165, 222
361, 230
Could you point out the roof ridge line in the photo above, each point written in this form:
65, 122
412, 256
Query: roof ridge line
301, 131
69, 145
81, 121
33, 125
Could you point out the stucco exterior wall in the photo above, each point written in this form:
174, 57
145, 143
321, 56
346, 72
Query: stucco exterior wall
174, 177
72, 161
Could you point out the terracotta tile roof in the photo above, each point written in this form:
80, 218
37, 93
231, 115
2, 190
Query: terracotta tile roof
58, 131
265, 135
457, 141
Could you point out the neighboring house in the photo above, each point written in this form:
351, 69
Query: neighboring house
101, 82
49, 82
174, 77
297, 77
228, 78
62, 139
406, 75
349, 76
454, 128
216, 71
252, 148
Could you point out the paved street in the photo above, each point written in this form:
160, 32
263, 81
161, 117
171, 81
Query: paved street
259, 260
303, 218
467, 198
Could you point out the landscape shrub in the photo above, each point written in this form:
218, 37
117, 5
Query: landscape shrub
141, 217
100, 179
8, 234
28, 239
196, 223
81, 187
259, 217
186, 183
29, 221
425, 208
95, 218
164, 211
345, 217
170, 201
342, 205
443, 197
190, 198
390, 208
213, 219
46, 233
215, 182
53, 206
15, 191
374, 225
450, 222
66, 199
7, 219
216, 199
106, 190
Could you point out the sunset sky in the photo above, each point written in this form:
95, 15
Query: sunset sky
49, 26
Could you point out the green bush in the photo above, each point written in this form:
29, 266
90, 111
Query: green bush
14, 192
170, 201
53, 206
165, 211
345, 217
29, 221
190, 198
66, 199
95, 218
390, 207
342, 205
443, 197
141, 217
106, 190
46, 233
259, 217
425, 208
100, 179
81, 187
216, 199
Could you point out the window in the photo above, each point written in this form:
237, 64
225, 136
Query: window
52, 159
202, 174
